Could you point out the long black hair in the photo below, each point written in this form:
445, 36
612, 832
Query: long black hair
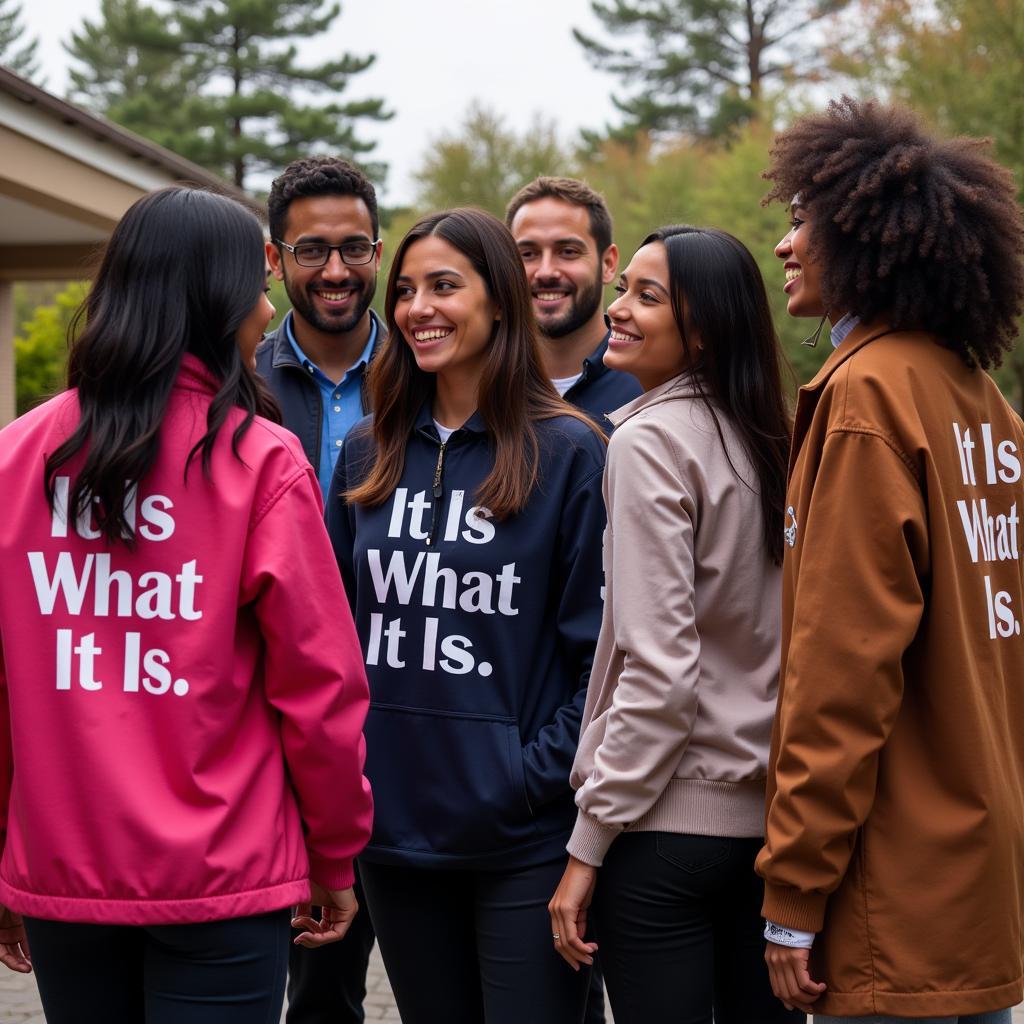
182, 270
718, 293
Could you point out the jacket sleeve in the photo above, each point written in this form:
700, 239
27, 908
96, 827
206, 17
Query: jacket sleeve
340, 527
313, 674
856, 606
6, 751
652, 519
547, 759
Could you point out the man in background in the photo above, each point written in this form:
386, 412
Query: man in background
324, 246
564, 233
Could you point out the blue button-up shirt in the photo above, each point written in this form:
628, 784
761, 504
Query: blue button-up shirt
342, 402
843, 328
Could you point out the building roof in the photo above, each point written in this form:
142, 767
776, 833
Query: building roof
99, 129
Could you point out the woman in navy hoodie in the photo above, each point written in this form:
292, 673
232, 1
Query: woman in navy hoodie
467, 520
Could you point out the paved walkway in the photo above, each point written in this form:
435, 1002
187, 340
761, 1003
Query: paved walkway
19, 1001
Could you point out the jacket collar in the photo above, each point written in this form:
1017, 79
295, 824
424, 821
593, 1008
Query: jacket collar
682, 386
425, 422
593, 365
195, 375
861, 335
283, 352
807, 398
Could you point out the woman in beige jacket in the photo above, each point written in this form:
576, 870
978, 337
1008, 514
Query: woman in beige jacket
670, 772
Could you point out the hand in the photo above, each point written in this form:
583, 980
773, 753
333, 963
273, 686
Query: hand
338, 906
14, 952
568, 910
791, 981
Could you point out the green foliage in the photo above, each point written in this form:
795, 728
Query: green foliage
961, 65
484, 163
40, 347
216, 81
132, 73
702, 66
646, 185
279, 300
17, 53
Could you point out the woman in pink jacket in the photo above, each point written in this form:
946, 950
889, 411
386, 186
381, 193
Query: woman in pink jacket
181, 690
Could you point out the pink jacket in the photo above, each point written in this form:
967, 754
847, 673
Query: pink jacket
180, 724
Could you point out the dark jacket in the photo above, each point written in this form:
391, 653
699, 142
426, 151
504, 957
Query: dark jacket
602, 390
478, 644
296, 392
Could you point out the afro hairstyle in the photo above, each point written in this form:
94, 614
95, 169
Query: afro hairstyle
919, 232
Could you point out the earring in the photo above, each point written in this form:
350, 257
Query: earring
812, 340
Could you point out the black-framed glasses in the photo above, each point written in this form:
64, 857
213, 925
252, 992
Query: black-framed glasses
316, 254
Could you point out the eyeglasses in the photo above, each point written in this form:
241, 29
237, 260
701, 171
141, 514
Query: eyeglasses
316, 254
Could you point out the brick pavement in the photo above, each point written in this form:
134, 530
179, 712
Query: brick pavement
19, 1001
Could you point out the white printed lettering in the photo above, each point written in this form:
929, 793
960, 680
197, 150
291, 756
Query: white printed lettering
1010, 461
458, 661
479, 531
965, 449
65, 581
158, 524
396, 573
154, 602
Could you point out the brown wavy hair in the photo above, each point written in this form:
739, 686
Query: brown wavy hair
919, 232
514, 390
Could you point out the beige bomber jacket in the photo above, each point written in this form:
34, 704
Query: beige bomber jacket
676, 727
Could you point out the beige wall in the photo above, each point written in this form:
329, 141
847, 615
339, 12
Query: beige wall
57, 182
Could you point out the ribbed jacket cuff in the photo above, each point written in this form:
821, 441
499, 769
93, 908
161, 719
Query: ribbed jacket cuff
331, 874
803, 911
590, 840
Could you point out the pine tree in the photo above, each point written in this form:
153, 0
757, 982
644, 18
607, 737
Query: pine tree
216, 80
16, 53
134, 73
702, 65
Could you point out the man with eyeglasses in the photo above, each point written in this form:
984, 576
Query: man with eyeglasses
324, 247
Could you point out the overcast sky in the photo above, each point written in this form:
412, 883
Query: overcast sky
516, 56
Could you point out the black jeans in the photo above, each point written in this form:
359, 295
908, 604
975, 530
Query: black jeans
678, 919
473, 947
218, 972
328, 985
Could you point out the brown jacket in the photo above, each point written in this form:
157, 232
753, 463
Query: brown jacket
896, 779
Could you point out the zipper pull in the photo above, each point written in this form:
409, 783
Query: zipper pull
438, 492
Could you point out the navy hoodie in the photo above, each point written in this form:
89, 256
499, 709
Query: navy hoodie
478, 637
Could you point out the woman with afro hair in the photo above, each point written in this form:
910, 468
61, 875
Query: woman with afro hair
895, 829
